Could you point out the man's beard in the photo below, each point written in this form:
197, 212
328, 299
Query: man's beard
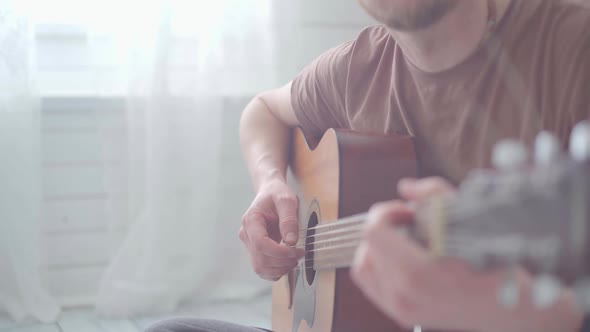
402, 16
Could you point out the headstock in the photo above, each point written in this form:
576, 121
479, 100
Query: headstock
532, 212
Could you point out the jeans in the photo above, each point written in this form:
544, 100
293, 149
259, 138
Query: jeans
199, 325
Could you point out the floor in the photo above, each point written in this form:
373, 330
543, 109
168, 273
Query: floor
254, 312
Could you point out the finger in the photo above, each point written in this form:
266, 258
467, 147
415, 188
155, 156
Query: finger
363, 273
385, 235
382, 280
243, 236
398, 257
286, 207
274, 274
360, 264
272, 262
255, 227
420, 189
389, 244
271, 273
273, 230
259, 241
299, 253
386, 214
270, 248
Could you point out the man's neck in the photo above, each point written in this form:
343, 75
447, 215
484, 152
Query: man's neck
451, 40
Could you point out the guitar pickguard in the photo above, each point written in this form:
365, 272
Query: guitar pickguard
304, 293
303, 301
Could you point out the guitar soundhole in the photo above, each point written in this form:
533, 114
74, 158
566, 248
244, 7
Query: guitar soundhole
309, 246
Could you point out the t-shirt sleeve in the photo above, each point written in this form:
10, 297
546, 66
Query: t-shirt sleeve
318, 93
574, 65
580, 93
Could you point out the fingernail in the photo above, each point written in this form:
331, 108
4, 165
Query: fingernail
291, 238
405, 182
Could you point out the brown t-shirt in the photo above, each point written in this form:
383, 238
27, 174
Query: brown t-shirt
533, 74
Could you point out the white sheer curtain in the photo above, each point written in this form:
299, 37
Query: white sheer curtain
185, 59
21, 290
178, 63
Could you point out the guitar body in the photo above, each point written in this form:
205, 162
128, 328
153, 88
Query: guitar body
341, 175
518, 215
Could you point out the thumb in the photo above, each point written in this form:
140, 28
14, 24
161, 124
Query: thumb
416, 190
286, 206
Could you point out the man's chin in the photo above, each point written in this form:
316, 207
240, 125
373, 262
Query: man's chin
409, 15
410, 25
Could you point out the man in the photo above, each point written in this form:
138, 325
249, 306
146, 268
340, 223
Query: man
458, 75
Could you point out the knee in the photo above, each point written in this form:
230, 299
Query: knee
162, 326
187, 325
170, 325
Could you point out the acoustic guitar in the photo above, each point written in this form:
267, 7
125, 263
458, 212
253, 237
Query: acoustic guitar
519, 214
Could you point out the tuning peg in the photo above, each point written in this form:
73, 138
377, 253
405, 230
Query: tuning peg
509, 155
580, 141
547, 148
582, 293
546, 290
509, 292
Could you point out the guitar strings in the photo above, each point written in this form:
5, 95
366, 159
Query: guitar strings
358, 219
338, 235
347, 250
337, 230
325, 258
344, 224
343, 257
353, 219
345, 234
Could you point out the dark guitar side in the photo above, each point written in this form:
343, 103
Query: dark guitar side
345, 173
370, 168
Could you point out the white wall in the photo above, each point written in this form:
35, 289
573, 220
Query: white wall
75, 237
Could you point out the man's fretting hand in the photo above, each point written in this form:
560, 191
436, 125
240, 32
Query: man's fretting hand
415, 288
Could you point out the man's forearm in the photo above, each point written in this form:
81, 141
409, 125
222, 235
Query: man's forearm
264, 140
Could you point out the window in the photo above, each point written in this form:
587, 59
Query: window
85, 48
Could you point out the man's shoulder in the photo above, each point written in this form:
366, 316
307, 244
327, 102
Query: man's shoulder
576, 5
553, 31
567, 26
370, 41
377, 32
363, 52
565, 19
374, 37
372, 45
570, 14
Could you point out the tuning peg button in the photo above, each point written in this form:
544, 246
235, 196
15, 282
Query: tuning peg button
508, 294
580, 142
546, 290
547, 148
509, 155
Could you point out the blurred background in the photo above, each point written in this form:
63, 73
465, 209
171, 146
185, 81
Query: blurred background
121, 180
